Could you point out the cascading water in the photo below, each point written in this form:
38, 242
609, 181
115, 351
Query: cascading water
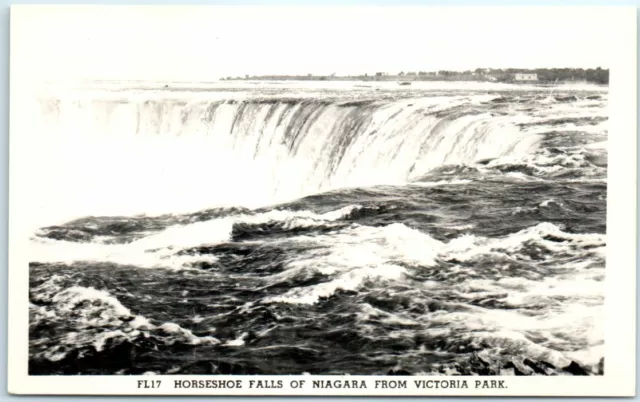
257, 152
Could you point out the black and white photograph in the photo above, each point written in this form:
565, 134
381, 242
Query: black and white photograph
416, 193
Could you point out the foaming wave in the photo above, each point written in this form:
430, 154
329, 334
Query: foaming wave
517, 245
577, 161
89, 319
347, 281
352, 256
159, 249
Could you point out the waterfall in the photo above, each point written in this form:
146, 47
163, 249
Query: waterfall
124, 155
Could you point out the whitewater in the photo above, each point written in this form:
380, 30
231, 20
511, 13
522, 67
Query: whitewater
323, 228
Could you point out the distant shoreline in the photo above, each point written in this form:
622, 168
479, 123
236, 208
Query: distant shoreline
409, 82
542, 76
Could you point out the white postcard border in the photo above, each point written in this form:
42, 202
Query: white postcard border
620, 303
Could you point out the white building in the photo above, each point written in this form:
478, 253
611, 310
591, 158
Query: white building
526, 77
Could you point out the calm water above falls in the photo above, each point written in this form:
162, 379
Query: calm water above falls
341, 231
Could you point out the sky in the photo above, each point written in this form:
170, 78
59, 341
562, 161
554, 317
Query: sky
206, 43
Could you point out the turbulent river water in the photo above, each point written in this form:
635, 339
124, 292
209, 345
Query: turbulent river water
360, 229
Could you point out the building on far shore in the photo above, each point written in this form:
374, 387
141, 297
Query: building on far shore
525, 77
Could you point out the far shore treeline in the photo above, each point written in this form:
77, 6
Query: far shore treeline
544, 75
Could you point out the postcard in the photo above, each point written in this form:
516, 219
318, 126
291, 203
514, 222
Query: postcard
210, 200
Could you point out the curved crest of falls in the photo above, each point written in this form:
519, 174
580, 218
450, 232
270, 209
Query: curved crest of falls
278, 149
